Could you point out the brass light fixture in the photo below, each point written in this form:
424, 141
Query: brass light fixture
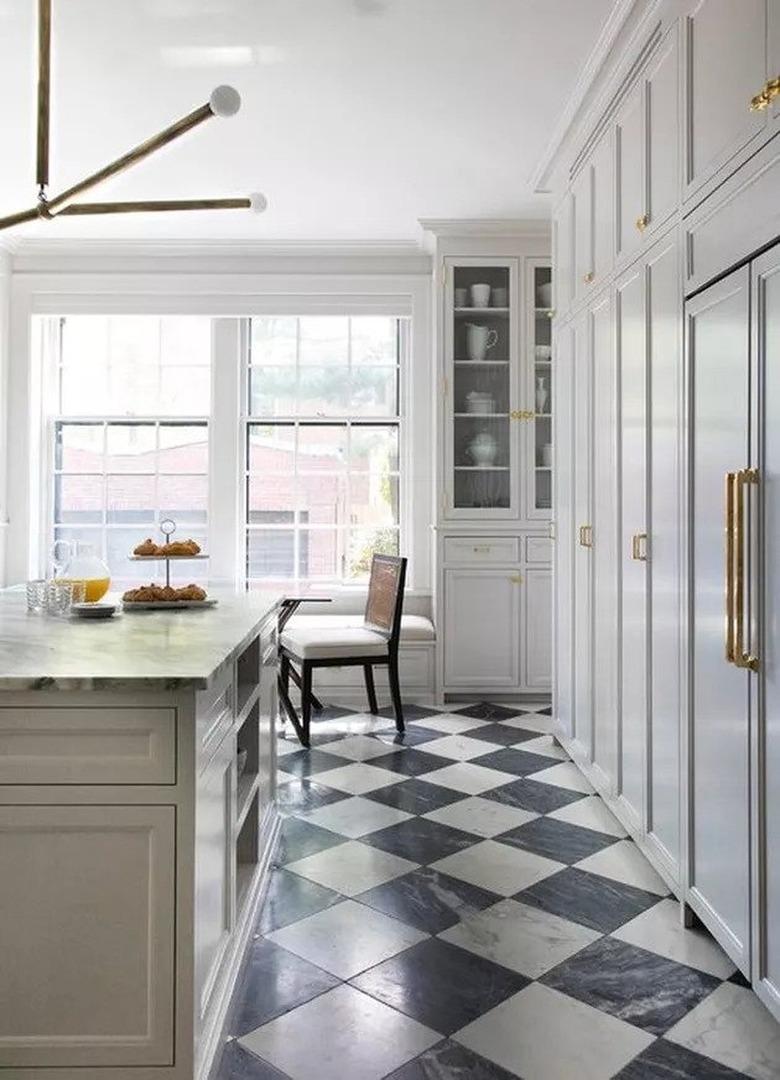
224, 101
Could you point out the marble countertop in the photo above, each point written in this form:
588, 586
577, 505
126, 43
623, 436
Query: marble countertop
150, 650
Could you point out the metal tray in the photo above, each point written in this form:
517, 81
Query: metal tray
165, 605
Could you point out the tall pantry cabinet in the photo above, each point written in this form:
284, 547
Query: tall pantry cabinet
667, 487
494, 418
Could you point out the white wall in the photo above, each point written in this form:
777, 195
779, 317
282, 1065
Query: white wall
5, 302
214, 279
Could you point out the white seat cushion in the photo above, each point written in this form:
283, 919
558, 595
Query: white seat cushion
413, 627
322, 643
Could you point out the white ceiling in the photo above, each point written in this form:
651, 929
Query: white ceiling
358, 116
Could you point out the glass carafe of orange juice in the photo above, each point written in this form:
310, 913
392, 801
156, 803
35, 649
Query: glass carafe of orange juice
82, 564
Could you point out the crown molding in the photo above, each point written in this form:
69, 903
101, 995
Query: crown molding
617, 19
531, 227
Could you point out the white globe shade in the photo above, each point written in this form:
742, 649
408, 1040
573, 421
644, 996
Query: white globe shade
258, 202
225, 101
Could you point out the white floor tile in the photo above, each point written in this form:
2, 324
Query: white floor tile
624, 862
540, 1034
531, 722
591, 813
565, 775
452, 725
286, 746
459, 747
660, 930
546, 746
355, 817
341, 1035
358, 778
481, 816
356, 747
467, 777
351, 868
502, 869
734, 1028
347, 938
520, 937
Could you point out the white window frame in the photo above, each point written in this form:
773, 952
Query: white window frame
227, 298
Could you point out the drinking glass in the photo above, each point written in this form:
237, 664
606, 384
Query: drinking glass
36, 595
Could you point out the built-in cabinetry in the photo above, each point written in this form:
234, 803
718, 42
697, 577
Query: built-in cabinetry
134, 836
667, 182
495, 423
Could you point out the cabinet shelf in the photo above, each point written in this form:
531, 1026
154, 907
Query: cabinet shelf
481, 363
543, 311
481, 415
502, 312
481, 468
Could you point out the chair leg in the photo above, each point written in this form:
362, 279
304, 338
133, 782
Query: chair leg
395, 693
316, 704
306, 700
287, 707
284, 685
368, 671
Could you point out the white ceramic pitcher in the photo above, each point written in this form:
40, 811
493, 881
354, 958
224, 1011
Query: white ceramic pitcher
479, 339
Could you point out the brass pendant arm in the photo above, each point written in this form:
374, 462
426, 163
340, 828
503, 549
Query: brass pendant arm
44, 91
155, 205
18, 219
138, 153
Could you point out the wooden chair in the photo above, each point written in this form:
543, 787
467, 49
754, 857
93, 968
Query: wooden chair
366, 646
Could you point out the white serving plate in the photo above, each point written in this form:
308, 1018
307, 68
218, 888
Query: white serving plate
165, 605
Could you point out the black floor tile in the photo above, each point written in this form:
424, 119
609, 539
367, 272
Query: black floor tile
485, 711
739, 980
449, 1061
412, 736
300, 838
290, 898
237, 1063
593, 901
531, 795
440, 985
663, 1060
411, 712
501, 734
415, 796
544, 712
304, 763
411, 762
637, 986
557, 840
428, 900
273, 982
299, 796
519, 762
420, 840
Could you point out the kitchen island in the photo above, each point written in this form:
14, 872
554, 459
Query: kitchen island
137, 821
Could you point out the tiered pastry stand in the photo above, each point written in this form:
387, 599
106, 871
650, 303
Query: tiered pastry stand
167, 528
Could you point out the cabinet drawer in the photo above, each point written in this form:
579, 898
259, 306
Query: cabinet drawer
215, 714
474, 550
538, 549
87, 746
739, 218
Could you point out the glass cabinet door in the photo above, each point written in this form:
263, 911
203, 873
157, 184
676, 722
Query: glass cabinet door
481, 361
539, 343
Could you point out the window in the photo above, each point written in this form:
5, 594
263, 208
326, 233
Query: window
131, 435
323, 438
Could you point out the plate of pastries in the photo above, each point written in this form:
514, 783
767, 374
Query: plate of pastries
173, 549
162, 597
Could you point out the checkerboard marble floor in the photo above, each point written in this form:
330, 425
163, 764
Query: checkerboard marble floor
457, 904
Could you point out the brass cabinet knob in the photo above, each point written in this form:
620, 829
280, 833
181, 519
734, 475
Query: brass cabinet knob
516, 579
766, 96
642, 222
588, 277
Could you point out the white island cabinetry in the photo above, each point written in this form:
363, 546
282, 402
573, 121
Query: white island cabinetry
132, 853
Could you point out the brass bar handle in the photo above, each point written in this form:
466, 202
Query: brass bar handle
729, 575
764, 98
742, 659
637, 552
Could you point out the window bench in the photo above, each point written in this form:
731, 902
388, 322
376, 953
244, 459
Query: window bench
417, 661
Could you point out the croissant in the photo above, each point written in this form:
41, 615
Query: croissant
148, 547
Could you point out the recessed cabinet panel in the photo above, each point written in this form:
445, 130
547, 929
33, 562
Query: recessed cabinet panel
482, 628
98, 991
605, 576
634, 540
582, 193
564, 545
481, 550
662, 114
718, 344
773, 56
538, 619
726, 59
664, 299
563, 254
631, 200
603, 166
583, 551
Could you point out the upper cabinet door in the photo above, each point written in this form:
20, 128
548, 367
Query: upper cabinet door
662, 139
773, 60
726, 63
602, 165
582, 195
563, 254
629, 174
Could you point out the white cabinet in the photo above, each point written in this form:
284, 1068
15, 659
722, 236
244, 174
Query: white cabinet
565, 531
726, 67
582, 196
482, 629
603, 171
87, 919
537, 593
583, 516
629, 174
634, 543
563, 254
662, 139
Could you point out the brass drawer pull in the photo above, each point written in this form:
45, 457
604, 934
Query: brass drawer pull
765, 97
639, 547
586, 536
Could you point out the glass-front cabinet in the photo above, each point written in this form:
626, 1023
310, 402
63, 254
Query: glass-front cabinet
481, 386
497, 425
